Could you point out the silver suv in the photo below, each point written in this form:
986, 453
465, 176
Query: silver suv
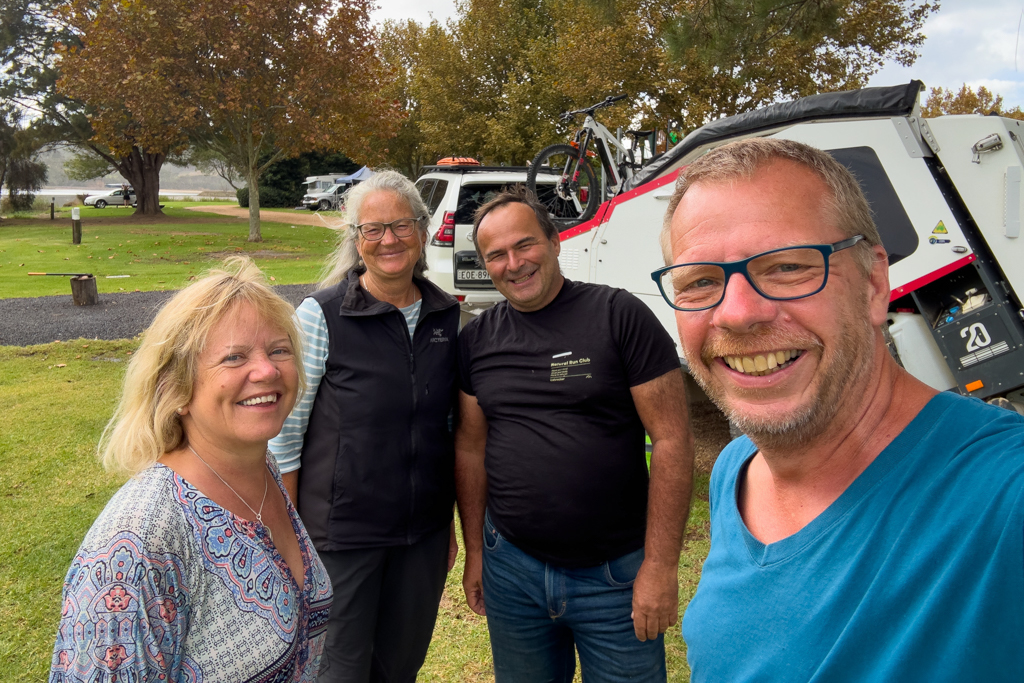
453, 194
326, 200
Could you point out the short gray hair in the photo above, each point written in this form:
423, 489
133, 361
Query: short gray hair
847, 205
345, 256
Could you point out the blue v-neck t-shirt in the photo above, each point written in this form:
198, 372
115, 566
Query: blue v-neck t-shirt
915, 573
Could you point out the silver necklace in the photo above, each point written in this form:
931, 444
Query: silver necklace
266, 486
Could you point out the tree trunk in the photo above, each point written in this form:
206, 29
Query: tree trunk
142, 170
254, 204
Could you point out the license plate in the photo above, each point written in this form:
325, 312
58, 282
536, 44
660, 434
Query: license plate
472, 275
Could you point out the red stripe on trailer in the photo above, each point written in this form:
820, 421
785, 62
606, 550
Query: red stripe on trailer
930, 277
585, 227
604, 212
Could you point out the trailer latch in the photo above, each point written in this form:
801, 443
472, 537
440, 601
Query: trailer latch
989, 143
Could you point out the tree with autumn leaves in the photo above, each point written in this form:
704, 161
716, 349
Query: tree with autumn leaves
492, 81
253, 80
967, 101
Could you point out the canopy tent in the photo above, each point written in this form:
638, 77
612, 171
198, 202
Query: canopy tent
357, 177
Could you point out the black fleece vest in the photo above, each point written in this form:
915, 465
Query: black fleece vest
378, 458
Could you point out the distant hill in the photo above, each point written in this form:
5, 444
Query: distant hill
171, 177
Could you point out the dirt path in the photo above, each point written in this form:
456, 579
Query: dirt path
309, 218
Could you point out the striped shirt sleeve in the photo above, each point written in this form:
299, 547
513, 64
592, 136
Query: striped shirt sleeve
287, 446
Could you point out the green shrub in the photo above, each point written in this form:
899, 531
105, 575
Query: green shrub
270, 198
281, 186
18, 202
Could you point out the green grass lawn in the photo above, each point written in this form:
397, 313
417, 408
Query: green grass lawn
161, 252
54, 401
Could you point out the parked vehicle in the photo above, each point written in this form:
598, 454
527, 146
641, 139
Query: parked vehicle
946, 194
111, 198
324, 193
320, 183
453, 192
328, 200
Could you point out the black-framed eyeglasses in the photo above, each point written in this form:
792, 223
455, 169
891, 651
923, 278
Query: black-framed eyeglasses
780, 274
374, 232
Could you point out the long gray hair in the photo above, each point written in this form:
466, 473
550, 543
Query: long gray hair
346, 256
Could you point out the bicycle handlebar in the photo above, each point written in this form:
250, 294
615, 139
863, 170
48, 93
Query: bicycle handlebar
606, 102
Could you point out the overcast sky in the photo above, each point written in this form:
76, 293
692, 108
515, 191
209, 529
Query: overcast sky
969, 41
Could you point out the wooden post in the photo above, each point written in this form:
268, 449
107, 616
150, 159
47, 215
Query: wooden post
76, 226
83, 291
52, 201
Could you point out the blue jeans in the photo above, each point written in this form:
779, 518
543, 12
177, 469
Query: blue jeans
537, 613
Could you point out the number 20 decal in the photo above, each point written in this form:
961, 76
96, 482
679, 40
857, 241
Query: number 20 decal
979, 337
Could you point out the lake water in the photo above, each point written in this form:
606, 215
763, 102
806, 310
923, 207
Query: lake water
65, 194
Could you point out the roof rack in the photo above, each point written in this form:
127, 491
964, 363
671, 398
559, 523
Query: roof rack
472, 169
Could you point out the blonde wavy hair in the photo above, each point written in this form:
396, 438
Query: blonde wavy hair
161, 375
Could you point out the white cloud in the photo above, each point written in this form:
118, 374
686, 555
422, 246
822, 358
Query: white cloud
420, 10
968, 41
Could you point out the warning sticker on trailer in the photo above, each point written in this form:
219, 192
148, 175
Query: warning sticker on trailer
940, 229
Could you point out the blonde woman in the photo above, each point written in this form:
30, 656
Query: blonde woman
199, 569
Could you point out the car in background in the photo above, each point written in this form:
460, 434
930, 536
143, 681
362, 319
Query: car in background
111, 198
326, 200
453, 190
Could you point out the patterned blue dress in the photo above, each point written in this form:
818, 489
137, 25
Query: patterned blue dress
170, 586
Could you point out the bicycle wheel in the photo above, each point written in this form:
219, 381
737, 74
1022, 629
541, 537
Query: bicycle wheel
569, 190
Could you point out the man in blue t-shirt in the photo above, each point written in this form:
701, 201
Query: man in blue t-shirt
866, 528
569, 547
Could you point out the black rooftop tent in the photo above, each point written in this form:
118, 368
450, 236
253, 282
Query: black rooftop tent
896, 100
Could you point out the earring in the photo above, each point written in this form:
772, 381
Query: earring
180, 411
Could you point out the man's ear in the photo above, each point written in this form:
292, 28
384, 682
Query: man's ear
878, 286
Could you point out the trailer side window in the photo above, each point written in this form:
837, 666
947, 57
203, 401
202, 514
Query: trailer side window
898, 234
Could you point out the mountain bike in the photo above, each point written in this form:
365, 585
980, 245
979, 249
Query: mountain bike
577, 194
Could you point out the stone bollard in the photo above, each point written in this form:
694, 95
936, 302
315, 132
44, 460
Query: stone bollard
83, 291
76, 228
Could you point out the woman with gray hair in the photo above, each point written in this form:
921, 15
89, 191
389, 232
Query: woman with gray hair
367, 453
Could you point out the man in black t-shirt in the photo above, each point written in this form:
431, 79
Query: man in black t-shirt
567, 543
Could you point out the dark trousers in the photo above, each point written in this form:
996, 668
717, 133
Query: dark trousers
384, 609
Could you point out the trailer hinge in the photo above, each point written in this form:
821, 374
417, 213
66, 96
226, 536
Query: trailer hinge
911, 130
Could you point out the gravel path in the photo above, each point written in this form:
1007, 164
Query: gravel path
44, 319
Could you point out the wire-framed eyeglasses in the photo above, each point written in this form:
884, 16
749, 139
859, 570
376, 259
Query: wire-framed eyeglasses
374, 232
780, 274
